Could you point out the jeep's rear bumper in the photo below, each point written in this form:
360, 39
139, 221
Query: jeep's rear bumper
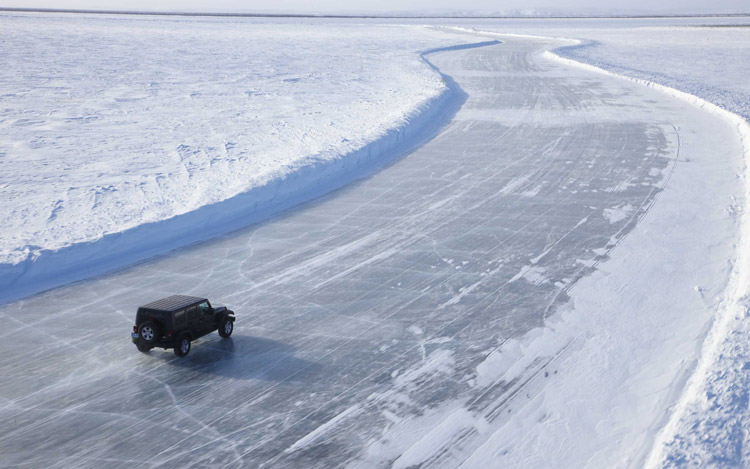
163, 342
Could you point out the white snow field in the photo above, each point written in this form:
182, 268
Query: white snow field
532, 287
710, 422
708, 425
111, 125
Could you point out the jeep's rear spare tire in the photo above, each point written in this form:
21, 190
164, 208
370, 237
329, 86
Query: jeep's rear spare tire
148, 332
183, 346
226, 327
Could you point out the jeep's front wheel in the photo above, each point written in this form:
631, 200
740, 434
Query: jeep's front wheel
226, 328
148, 332
183, 346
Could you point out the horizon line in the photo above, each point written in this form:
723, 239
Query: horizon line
353, 16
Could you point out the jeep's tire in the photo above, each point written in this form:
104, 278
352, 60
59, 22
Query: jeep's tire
148, 332
226, 327
143, 347
183, 346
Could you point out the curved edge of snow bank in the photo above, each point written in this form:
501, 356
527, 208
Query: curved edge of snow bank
733, 304
118, 250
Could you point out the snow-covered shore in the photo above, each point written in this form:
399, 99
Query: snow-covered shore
113, 126
708, 67
709, 420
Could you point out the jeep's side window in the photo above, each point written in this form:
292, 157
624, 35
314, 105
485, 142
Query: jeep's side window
192, 314
180, 318
205, 309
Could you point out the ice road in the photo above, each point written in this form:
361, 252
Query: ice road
370, 307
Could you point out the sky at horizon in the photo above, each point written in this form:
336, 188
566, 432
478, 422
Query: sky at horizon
333, 6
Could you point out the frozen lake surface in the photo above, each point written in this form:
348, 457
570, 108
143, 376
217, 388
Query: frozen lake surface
371, 323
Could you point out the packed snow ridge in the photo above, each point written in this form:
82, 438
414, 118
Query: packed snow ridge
155, 124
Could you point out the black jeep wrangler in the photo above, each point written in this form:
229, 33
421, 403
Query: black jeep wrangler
175, 321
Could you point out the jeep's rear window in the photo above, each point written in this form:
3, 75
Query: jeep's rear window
152, 312
144, 314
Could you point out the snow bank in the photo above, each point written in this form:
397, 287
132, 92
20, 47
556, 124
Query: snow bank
707, 62
131, 137
706, 424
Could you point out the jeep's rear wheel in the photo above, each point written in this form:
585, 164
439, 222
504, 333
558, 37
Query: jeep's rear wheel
143, 347
148, 332
226, 328
183, 346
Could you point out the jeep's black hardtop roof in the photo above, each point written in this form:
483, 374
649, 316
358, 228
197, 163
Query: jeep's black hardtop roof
173, 303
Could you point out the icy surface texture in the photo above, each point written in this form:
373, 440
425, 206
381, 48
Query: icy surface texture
357, 313
708, 58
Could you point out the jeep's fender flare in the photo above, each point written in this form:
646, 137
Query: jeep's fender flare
228, 315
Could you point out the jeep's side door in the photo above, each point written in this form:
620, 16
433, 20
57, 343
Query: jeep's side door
180, 321
207, 319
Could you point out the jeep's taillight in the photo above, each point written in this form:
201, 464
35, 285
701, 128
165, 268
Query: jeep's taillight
135, 328
169, 333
